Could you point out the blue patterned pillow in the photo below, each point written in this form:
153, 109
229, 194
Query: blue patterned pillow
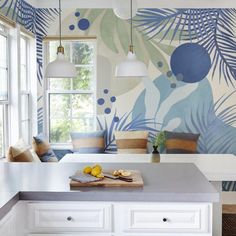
42, 147
91, 142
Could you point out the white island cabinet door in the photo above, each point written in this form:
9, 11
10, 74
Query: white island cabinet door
7, 225
65, 217
164, 219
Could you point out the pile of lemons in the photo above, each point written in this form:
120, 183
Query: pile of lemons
95, 171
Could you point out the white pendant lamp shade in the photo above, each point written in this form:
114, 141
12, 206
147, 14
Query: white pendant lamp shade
131, 67
60, 68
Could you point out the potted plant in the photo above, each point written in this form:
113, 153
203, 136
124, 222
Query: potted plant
159, 141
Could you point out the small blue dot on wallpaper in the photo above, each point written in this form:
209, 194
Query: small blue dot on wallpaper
113, 99
169, 74
101, 101
116, 119
71, 27
83, 23
77, 14
190, 62
107, 110
160, 64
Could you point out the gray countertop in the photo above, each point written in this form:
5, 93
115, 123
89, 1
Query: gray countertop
167, 182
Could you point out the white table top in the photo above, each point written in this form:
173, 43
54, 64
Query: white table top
216, 167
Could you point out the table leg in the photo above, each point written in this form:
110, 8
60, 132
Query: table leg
217, 211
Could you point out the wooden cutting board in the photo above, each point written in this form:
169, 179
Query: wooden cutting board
106, 182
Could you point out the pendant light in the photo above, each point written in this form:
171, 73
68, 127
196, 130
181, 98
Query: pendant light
131, 66
60, 68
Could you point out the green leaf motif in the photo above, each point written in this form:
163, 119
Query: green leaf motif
94, 14
108, 30
112, 29
166, 48
123, 34
139, 47
155, 55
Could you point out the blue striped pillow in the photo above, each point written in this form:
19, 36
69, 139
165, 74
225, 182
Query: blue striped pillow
90, 142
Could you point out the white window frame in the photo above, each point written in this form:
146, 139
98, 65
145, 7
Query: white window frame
5, 103
47, 90
26, 92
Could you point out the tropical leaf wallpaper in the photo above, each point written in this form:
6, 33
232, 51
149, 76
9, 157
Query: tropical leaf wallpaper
191, 60
211, 28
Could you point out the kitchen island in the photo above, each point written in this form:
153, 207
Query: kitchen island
176, 199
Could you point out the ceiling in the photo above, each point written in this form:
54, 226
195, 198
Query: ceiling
141, 3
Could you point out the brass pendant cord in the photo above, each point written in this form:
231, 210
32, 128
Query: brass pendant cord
131, 27
60, 49
60, 21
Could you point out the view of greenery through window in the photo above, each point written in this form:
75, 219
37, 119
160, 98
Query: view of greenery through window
1, 132
72, 101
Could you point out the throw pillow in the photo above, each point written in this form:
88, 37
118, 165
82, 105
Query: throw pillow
90, 142
43, 149
181, 142
131, 141
20, 152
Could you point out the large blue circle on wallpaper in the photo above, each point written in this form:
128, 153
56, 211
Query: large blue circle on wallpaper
191, 61
83, 24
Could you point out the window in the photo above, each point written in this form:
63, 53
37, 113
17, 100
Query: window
3, 67
25, 121
71, 102
3, 88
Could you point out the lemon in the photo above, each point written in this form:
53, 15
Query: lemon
96, 171
100, 175
97, 166
125, 173
87, 169
116, 173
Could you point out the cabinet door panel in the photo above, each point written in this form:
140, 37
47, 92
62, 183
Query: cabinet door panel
164, 218
7, 226
79, 217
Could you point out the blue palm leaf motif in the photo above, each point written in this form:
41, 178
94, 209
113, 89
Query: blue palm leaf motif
137, 123
228, 114
214, 127
221, 44
4, 5
33, 19
44, 16
212, 28
36, 20
186, 23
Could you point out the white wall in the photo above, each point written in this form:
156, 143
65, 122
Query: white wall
141, 3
